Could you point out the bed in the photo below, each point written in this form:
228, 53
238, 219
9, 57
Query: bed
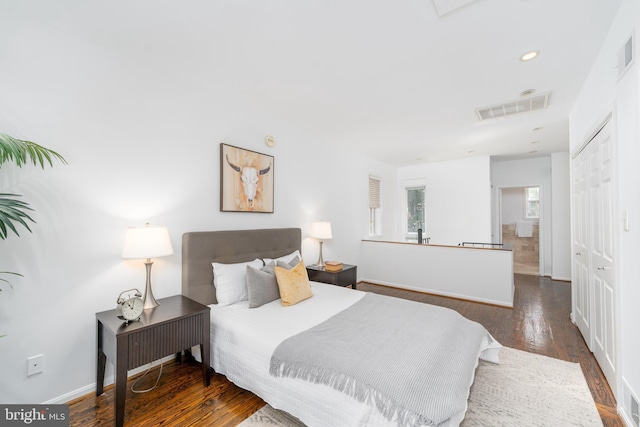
249, 345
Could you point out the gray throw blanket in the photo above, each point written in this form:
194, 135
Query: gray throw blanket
413, 361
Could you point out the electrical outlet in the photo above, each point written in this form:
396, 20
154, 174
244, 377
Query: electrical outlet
35, 365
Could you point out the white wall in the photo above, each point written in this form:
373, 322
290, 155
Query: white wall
560, 217
527, 173
142, 142
487, 275
602, 94
458, 199
389, 199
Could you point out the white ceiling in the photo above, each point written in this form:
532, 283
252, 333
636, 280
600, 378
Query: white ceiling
391, 78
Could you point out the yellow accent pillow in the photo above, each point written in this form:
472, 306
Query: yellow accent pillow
293, 284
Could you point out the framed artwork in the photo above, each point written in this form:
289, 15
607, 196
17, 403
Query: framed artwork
246, 180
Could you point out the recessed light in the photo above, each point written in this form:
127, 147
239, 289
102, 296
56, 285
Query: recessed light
534, 142
533, 151
471, 151
537, 129
529, 55
527, 92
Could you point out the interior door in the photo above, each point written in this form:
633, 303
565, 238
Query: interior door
581, 270
602, 253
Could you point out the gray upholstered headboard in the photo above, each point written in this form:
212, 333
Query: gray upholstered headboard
201, 248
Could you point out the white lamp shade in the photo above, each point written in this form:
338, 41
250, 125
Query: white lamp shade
146, 242
321, 230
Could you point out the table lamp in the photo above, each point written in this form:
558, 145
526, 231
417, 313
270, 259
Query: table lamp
321, 230
146, 243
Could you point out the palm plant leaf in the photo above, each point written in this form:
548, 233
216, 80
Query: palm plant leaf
6, 281
20, 152
13, 211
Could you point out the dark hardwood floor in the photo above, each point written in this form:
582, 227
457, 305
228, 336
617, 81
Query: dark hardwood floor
538, 323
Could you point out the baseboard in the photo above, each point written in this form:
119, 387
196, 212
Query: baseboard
438, 293
561, 279
625, 404
108, 380
627, 422
72, 395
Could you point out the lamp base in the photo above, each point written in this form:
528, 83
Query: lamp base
149, 301
320, 263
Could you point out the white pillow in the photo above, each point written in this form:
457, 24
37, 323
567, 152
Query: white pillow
230, 281
285, 258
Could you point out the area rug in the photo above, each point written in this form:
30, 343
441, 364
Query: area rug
524, 390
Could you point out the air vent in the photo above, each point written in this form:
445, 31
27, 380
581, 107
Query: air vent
533, 103
625, 57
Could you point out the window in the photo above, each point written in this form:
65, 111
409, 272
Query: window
415, 211
374, 207
532, 202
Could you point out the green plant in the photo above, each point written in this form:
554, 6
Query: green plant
13, 211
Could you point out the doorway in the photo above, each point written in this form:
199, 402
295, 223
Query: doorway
520, 227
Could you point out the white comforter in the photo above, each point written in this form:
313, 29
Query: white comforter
243, 340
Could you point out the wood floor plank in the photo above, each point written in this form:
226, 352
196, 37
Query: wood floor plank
539, 323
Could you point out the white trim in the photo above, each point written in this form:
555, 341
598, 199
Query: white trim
404, 185
108, 380
623, 403
437, 293
541, 271
592, 134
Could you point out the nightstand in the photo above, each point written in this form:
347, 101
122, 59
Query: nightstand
177, 324
345, 277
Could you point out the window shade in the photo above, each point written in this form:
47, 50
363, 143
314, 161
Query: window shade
374, 192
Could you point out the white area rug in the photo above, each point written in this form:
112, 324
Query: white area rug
524, 390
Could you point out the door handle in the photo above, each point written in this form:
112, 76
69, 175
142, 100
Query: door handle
601, 268
578, 253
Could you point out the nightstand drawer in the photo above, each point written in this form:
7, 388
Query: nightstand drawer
154, 343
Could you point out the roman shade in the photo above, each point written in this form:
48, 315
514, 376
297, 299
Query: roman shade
374, 192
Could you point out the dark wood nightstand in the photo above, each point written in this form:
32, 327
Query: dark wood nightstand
345, 277
177, 324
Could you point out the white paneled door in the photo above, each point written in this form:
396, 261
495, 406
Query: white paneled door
594, 260
582, 295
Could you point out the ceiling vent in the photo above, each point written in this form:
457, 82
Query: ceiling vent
533, 103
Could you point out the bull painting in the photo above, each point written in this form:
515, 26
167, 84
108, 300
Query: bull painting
246, 180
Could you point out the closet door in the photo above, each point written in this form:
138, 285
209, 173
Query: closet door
593, 244
602, 254
581, 267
